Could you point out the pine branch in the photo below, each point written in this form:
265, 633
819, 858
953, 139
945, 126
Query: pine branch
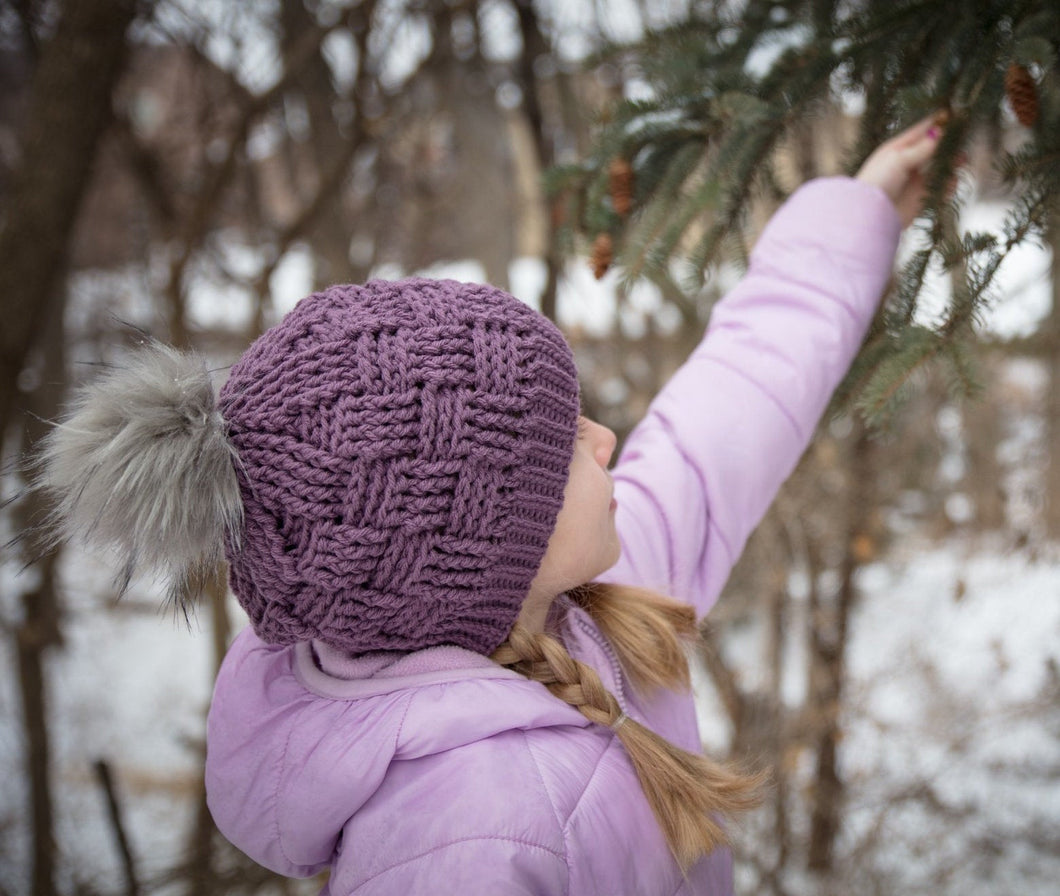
892, 377
705, 144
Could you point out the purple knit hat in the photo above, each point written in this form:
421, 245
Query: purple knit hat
403, 448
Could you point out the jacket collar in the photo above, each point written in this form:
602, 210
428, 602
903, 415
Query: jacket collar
328, 672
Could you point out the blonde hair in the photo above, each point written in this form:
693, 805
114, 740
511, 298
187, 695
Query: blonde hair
687, 792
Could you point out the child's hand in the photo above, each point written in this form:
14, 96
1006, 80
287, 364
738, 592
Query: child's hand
896, 167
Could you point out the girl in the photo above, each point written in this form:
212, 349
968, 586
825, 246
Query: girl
430, 697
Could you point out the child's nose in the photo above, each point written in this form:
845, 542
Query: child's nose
605, 445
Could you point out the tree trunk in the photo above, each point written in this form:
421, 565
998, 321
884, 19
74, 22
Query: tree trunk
983, 432
534, 46
38, 632
1051, 332
69, 109
828, 642
41, 622
201, 870
331, 148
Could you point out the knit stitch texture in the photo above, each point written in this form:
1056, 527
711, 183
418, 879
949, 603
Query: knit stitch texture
403, 448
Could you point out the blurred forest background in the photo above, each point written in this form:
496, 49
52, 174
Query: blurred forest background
888, 645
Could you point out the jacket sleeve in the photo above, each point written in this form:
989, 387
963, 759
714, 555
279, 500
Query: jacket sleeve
481, 866
698, 473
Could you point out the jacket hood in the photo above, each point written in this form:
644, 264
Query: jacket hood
299, 738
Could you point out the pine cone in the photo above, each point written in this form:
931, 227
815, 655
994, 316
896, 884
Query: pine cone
557, 212
621, 175
1022, 94
863, 548
603, 254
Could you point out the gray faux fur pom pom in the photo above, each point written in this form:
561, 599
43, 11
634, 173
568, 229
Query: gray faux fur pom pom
142, 465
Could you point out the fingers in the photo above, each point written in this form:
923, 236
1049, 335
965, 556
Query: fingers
916, 152
915, 133
931, 127
898, 165
914, 146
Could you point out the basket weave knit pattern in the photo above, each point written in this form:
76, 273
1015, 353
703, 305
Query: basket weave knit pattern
403, 449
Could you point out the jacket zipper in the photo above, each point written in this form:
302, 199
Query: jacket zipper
609, 652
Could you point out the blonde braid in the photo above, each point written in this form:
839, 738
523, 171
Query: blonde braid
542, 658
687, 792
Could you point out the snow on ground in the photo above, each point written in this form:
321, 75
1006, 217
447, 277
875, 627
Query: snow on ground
130, 687
950, 731
954, 700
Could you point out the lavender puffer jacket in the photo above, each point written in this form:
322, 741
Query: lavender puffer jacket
439, 772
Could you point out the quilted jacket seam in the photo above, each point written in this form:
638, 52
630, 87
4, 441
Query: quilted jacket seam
440, 846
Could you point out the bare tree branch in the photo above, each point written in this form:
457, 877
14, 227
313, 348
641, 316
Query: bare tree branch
106, 783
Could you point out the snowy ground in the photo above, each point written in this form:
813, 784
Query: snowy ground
955, 706
130, 687
951, 727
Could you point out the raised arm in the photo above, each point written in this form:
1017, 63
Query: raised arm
699, 472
